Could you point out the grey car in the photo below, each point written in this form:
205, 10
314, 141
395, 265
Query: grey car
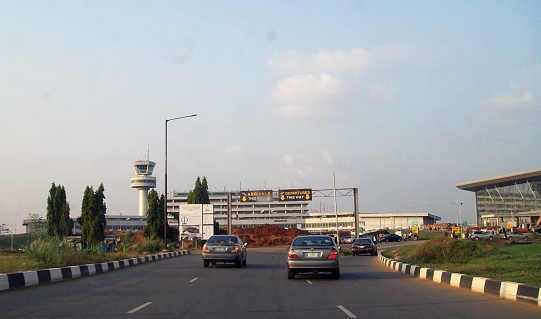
224, 249
313, 254
476, 235
364, 245
516, 235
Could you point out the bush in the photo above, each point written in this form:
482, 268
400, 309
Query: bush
47, 252
151, 246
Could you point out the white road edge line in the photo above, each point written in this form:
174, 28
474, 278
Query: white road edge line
193, 280
308, 281
347, 312
140, 307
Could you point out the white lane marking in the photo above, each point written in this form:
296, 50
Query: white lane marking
193, 280
347, 312
308, 281
140, 307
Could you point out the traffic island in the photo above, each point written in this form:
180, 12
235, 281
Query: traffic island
503, 289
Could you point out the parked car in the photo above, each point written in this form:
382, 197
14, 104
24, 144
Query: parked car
364, 246
478, 234
514, 235
348, 240
389, 237
313, 254
224, 249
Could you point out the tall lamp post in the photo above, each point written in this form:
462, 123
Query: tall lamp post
461, 227
457, 223
165, 209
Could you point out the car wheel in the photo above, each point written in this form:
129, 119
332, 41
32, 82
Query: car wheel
399, 240
526, 238
238, 263
336, 274
510, 238
206, 263
353, 254
476, 238
290, 274
244, 262
490, 238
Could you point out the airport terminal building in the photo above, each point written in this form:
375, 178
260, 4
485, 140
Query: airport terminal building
286, 214
289, 214
512, 200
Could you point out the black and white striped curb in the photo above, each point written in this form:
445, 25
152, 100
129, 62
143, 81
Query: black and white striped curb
503, 289
36, 277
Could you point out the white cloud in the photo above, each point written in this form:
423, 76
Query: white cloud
321, 84
327, 157
304, 96
234, 150
506, 101
291, 62
288, 159
308, 87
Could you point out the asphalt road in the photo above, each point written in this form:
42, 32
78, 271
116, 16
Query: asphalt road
181, 288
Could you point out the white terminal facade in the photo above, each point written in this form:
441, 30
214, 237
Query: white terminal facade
289, 214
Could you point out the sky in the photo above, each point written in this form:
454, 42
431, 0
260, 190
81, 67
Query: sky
400, 99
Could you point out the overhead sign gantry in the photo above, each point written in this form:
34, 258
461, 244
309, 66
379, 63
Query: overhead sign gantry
256, 196
295, 194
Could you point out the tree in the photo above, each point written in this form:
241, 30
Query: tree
154, 228
155, 219
92, 220
200, 193
59, 223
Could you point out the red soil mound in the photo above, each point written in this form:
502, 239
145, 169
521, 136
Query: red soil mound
268, 235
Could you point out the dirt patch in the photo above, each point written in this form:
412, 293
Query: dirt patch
268, 235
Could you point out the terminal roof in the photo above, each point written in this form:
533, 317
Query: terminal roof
504, 180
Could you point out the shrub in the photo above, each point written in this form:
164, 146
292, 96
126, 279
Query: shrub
47, 252
151, 246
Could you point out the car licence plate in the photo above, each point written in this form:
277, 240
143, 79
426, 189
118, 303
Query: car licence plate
312, 254
220, 249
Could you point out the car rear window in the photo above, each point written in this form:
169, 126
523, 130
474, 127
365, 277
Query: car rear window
223, 240
313, 242
363, 241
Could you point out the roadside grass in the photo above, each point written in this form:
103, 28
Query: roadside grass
42, 253
498, 259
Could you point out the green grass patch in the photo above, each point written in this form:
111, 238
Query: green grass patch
498, 259
43, 253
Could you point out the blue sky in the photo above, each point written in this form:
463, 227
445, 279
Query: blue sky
402, 100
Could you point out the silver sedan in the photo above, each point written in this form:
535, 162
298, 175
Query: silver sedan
313, 254
224, 249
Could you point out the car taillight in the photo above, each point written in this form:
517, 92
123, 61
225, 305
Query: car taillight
205, 248
292, 254
355, 246
236, 248
333, 254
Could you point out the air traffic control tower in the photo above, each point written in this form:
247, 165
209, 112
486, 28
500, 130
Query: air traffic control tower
143, 182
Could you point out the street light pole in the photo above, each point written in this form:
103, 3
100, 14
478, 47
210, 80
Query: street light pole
456, 206
335, 209
11, 238
165, 177
461, 228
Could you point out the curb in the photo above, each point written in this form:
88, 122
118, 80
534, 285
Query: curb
503, 289
36, 277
